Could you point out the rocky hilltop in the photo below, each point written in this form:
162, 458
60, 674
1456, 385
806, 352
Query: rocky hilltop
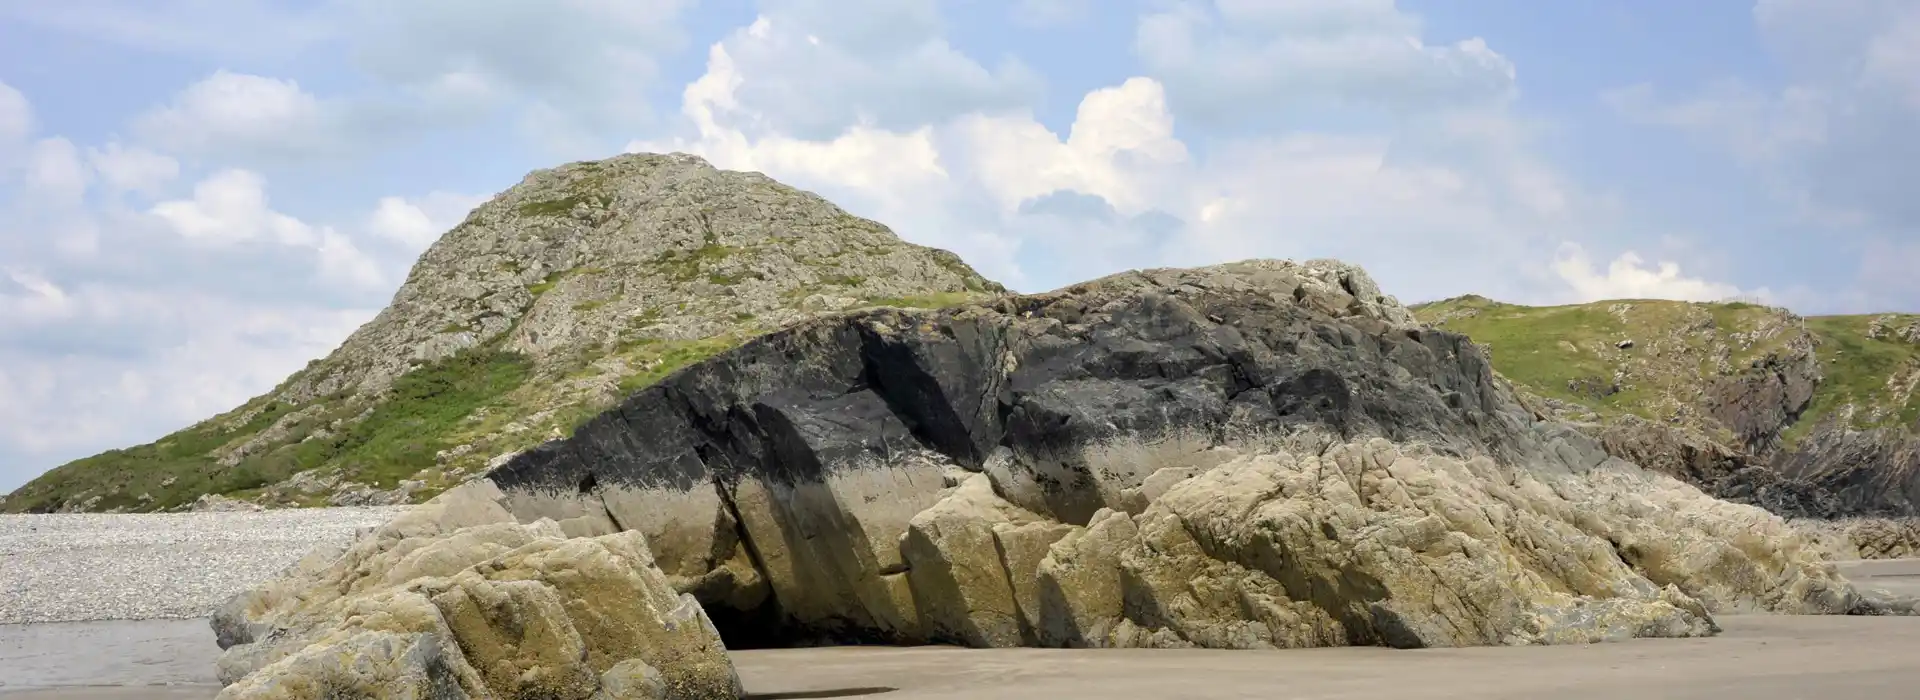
1809, 417
1255, 455
548, 303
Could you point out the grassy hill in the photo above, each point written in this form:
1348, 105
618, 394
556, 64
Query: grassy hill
1662, 360
549, 303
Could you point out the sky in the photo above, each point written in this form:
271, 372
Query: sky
197, 197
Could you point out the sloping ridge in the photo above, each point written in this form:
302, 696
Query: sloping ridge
545, 306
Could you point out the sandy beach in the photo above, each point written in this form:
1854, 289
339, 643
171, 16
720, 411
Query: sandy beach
1761, 657
1758, 657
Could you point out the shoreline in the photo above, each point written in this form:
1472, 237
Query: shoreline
72, 567
1764, 657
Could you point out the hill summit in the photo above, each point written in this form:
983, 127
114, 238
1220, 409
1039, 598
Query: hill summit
549, 302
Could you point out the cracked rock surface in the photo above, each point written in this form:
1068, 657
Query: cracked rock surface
455, 600
1255, 455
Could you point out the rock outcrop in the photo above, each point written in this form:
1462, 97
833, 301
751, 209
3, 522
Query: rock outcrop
1255, 455
1249, 455
454, 599
543, 307
1806, 417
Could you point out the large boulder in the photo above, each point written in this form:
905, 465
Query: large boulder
455, 599
1151, 459
1257, 455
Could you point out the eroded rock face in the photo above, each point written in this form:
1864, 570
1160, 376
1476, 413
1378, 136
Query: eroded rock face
1862, 473
1866, 538
455, 599
1249, 455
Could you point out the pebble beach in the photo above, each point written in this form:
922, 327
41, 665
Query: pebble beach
84, 567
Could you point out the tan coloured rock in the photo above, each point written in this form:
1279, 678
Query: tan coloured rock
960, 583
456, 600
1866, 538
1369, 543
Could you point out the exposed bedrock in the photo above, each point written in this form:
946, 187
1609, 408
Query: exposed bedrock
454, 600
1248, 455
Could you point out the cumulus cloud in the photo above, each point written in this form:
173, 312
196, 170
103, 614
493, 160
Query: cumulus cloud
230, 113
56, 174
1629, 276
821, 66
417, 223
1120, 189
570, 72
231, 206
1233, 60
133, 169
118, 325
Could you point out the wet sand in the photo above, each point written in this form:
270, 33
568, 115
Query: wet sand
1761, 657
1758, 657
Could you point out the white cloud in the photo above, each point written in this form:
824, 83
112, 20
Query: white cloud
231, 207
1120, 189
235, 112
417, 223
56, 406
1630, 277
37, 298
16, 119
821, 66
133, 169
1120, 144
574, 70
1231, 60
55, 173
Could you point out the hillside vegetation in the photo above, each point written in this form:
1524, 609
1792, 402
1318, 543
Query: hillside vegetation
1662, 360
549, 303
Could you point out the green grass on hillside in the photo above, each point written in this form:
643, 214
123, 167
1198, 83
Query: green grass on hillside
397, 439
402, 434
1551, 351
659, 358
182, 457
1860, 371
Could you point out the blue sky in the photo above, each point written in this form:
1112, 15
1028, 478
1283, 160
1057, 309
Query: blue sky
199, 196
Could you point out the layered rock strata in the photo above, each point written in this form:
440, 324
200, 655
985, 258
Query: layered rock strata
1256, 455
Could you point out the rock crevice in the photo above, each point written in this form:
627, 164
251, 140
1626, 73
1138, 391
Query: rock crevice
1013, 473
1248, 456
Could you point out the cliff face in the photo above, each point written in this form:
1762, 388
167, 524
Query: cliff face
1808, 417
1118, 463
1255, 455
570, 289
